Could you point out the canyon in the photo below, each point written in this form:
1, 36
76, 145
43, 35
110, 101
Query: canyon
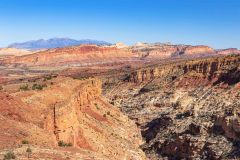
68, 111
186, 110
147, 101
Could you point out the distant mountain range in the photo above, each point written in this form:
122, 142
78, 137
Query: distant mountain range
55, 43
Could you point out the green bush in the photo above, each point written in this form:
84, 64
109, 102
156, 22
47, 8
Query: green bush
63, 144
38, 86
48, 77
24, 87
25, 142
9, 155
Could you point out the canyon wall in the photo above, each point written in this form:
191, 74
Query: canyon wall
71, 112
208, 67
186, 109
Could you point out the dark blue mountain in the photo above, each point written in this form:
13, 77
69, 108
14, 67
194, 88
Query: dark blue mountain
55, 43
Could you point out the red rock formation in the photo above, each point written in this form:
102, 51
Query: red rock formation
83, 54
198, 50
71, 111
207, 67
89, 55
229, 51
166, 51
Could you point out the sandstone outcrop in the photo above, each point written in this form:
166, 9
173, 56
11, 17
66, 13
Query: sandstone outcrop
229, 51
198, 49
157, 51
14, 52
208, 67
81, 55
185, 104
91, 55
186, 110
68, 111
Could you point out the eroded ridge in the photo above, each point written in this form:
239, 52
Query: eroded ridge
186, 110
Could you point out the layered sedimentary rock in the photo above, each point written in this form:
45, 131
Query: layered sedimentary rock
198, 49
90, 55
71, 112
229, 51
186, 110
70, 55
167, 50
208, 67
14, 52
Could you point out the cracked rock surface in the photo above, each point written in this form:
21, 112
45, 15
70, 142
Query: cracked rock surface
192, 113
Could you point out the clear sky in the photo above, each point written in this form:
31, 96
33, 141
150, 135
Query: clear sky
211, 22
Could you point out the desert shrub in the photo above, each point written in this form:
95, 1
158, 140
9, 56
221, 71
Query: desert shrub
96, 105
108, 113
29, 151
9, 155
38, 86
183, 115
25, 142
49, 77
1, 88
60, 143
63, 144
125, 77
24, 87
148, 88
69, 145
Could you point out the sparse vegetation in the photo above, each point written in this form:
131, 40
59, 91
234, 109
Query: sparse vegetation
38, 86
148, 88
29, 151
108, 113
1, 88
125, 77
24, 87
25, 142
63, 144
48, 77
96, 105
9, 155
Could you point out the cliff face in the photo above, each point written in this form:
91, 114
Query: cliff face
198, 49
167, 51
88, 55
14, 52
208, 67
229, 51
71, 111
71, 55
186, 110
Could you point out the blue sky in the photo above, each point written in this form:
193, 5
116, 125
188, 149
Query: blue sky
211, 22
